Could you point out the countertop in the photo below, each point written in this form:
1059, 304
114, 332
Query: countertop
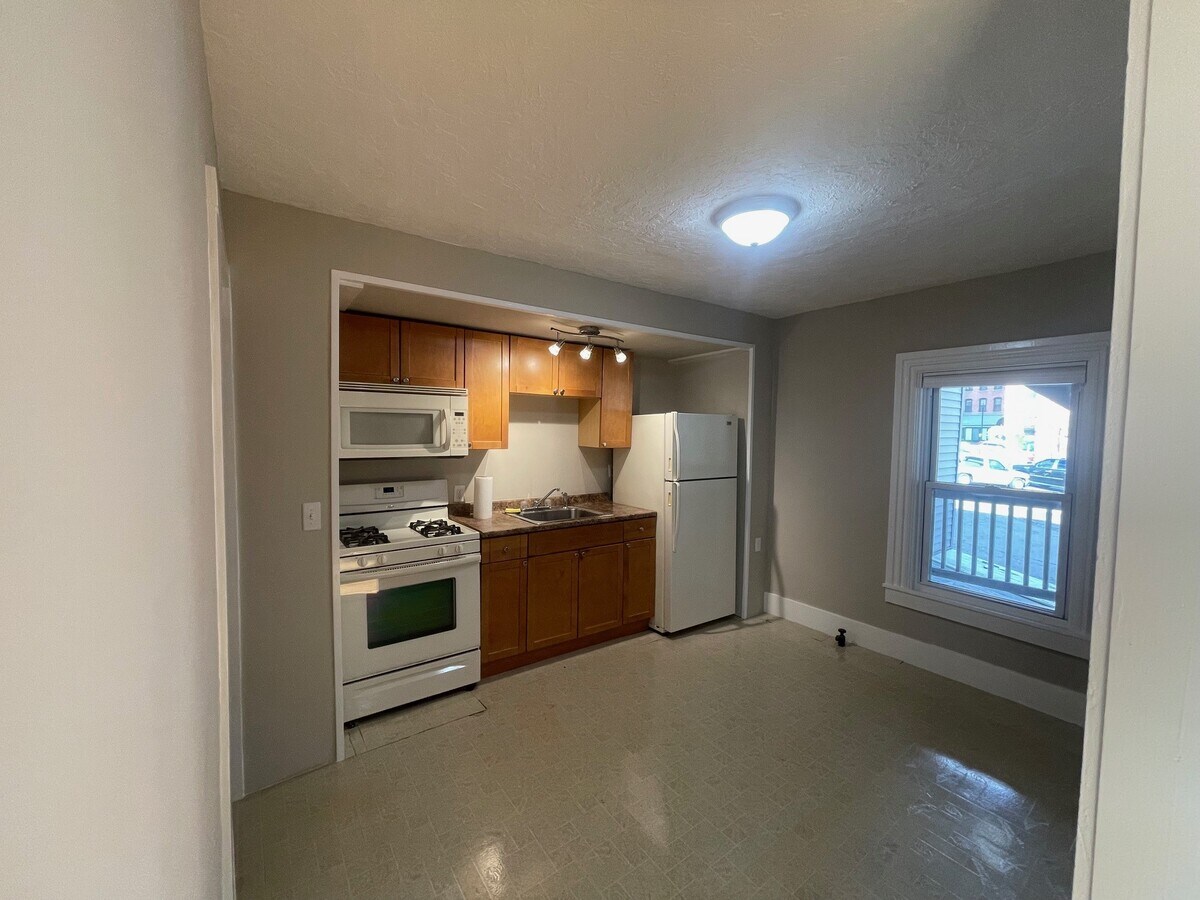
501, 524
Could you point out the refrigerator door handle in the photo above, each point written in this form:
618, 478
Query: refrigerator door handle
674, 520
673, 461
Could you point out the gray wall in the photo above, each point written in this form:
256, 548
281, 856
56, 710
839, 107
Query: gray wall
281, 258
834, 438
110, 696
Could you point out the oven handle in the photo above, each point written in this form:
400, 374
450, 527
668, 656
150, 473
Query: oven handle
437, 565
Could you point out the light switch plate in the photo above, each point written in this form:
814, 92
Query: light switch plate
460, 490
757, 545
311, 516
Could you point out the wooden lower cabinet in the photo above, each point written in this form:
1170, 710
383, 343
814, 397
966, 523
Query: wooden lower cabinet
552, 611
552, 592
502, 611
601, 575
638, 587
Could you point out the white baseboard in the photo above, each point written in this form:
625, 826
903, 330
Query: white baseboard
1052, 699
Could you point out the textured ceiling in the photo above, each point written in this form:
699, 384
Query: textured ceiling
927, 140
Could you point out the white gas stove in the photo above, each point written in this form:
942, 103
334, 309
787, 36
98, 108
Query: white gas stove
409, 595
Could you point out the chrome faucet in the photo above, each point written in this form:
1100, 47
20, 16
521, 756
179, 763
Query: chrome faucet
542, 502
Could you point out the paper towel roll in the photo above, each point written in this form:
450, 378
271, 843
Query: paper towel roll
483, 496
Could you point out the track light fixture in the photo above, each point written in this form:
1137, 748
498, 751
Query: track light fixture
590, 333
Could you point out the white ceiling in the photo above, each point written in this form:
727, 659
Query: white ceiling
927, 140
412, 305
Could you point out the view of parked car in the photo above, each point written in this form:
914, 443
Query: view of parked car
1047, 474
989, 470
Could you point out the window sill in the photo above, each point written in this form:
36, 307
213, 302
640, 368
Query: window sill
1053, 634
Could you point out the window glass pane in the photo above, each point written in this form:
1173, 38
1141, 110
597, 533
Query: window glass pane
1012, 436
988, 441
404, 613
385, 429
994, 547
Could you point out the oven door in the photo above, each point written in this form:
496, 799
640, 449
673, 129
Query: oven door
379, 423
400, 616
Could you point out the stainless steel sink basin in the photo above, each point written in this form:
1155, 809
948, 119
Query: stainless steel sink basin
542, 515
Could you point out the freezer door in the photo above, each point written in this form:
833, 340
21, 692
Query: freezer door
698, 543
700, 446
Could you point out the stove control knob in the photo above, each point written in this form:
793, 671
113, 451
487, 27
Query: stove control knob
363, 561
458, 548
441, 551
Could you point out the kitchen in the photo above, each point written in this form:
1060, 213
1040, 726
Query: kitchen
480, 450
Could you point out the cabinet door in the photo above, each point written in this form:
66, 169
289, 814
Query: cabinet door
551, 611
487, 390
579, 377
639, 580
368, 348
502, 625
601, 576
616, 402
532, 370
431, 355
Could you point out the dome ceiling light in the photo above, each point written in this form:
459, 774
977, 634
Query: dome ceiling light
754, 221
591, 333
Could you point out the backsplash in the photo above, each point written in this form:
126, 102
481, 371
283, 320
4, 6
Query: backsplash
466, 509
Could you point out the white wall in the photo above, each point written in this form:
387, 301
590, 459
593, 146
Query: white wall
1147, 730
109, 691
543, 452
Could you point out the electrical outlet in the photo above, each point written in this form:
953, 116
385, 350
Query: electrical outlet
460, 491
757, 545
311, 516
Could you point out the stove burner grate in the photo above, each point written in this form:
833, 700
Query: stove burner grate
365, 536
435, 528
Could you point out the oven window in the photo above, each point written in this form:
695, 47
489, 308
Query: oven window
405, 613
370, 428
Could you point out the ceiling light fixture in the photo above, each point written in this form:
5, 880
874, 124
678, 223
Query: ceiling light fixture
590, 333
754, 221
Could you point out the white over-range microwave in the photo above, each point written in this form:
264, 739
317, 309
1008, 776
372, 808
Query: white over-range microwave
378, 421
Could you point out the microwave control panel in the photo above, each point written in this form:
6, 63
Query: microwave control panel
458, 433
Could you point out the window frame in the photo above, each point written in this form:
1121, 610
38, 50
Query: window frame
911, 448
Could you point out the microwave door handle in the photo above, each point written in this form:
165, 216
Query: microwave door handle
445, 430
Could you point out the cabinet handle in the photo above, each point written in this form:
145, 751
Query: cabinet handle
504, 549
404, 380
395, 381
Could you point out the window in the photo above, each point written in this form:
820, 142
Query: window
983, 404
966, 406
994, 525
998, 405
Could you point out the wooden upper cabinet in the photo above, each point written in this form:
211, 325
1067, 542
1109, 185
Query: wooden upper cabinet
487, 382
502, 610
532, 370
432, 355
551, 608
601, 577
368, 349
578, 377
608, 421
638, 592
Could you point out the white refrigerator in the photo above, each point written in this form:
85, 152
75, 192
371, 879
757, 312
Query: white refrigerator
684, 467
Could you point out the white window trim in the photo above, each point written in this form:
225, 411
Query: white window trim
911, 436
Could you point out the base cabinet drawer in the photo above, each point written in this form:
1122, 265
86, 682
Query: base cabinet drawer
502, 610
552, 612
638, 589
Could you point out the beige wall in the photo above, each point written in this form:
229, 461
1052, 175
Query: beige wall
281, 259
110, 780
543, 452
834, 436
1146, 728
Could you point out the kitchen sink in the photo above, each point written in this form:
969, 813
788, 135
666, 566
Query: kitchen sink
542, 515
